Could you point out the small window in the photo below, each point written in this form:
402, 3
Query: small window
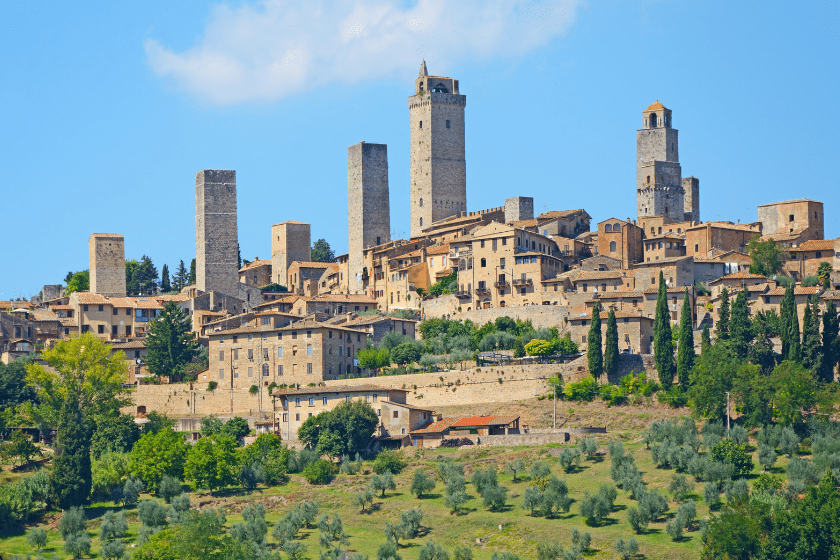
101, 308
790, 218
447, 123
396, 414
608, 227
421, 222
311, 401
297, 416
221, 373
297, 403
483, 263
612, 246
279, 370
279, 351
84, 308
421, 124
309, 367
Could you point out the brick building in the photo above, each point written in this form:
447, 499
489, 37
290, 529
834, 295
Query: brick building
621, 240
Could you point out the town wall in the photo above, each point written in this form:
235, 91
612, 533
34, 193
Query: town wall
541, 316
184, 399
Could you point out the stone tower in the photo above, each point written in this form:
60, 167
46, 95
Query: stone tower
216, 236
369, 214
107, 264
691, 189
659, 190
519, 208
290, 242
438, 164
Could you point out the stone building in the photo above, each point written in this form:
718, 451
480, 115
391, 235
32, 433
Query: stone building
805, 259
635, 331
107, 264
368, 206
290, 241
519, 208
677, 271
705, 240
621, 240
256, 273
660, 188
438, 164
792, 221
216, 237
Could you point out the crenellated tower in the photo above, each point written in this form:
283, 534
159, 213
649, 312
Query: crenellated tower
659, 189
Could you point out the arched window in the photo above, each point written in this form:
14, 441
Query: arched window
483, 263
653, 120
421, 222
608, 227
616, 227
612, 246
421, 202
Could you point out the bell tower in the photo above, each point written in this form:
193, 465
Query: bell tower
659, 189
438, 164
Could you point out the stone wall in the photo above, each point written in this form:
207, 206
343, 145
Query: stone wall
541, 316
519, 208
186, 399
216, 236
511, 440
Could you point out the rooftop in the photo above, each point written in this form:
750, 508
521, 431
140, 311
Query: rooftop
438, 426
367, 388
815, 245
655, 106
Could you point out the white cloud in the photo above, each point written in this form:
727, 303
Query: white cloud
277, 48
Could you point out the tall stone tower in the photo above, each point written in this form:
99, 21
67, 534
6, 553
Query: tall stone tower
691, 187
369, 214
438, 164
107, 264
290, 242
659, 190
216, 236
519, 208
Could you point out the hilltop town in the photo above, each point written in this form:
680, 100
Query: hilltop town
279, 327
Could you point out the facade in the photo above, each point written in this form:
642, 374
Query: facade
438, 157
256, 273
677, 271
635, 331
368, 206
107, 264
805, 259
216, 237
710, 238
620, 240
800, 220
290, 241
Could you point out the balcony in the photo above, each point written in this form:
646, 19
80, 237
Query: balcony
523, 282
463, 294
481, 291
501, 284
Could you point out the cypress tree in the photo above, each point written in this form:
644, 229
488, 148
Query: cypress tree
663, 343
740, 329
722, 329
165, 286
593, 348
830, 343
705, 340
70, 476
791, 345
811, 345
685, 350
761, 353
611, 348
192, 272
181, 277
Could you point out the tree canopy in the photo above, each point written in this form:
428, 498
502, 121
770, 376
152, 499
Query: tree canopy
345, 430
170, 343
78, 282
321, 252
766, 256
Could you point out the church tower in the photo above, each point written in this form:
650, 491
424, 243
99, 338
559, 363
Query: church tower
438, 164
659, 189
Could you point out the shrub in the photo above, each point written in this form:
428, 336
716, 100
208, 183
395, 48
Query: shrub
318, 472
494, 497
72, 522
392, 461
727, 451
583, 390
569, 458
169, 487
382, 482
810, 281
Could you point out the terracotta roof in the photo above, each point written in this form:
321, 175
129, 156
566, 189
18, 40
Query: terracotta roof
727, 225
815, 245
523, 223
88, 298
655, 106
484, 421
255, 263
311, 264
618, 295
797, 291
740, 276
831, 294
667, 235
408, 406
438, 249
599, 275
322, 390
172, 297
560, 213
667, 260
131, 344
121, 302
438, 426
445, 272
680, 290
44, 315
342, 298
779, 237
146, 303
61, 307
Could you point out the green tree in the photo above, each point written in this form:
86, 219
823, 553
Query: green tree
321, 252
421, 484
790, 326
78, 282
165, 286
192, 273
705, 339
722, 327
212, 463
132, 277
19, 449
147, 276
351, 424
830, 343
70, 475
157, 454
766, 256
374, 358
181, 277
14, 389
594, 357
811, 344
824, 274
518, 348
727, 451
85, 367
114, 432
663, 342
685, 349
170, 342
740, 326
711, 377
611, 345
794, 391
405, 353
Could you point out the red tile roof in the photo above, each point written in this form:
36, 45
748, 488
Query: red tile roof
815, 245
437, 427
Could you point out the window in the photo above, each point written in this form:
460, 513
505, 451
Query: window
583, 338
373, 397
790, 218
221, 355
483, 263
101, 329
308, 334
495, 244
616, 227
432, 261
309, 367
341, 350
347, 398
648, 179
421, 222
294, 335
279, 370
250, 354
115, 311
447, 123
279, 351
265, 354
502, 263
297, 416
396, 414
114, 330
608, 227
504, 241
84, 308
308, 349
265, 370
297, 402
482, 244
311, 401
101, 308
221, 373
612, 246
250, 371
421, 124
285, 418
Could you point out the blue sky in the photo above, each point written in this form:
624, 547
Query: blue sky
110, 108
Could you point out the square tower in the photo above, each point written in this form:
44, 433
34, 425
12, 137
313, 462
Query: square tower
802, 217
691, 189
369, 213
107, 264
659, 190
216, 236
519, 208
438, 164
290, 242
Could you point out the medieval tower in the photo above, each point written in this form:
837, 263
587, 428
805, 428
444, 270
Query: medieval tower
660, 189
369, 214
107, 264
216, 237
290, 242
438, 164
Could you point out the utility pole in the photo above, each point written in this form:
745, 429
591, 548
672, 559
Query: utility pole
554, 387
727, 414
